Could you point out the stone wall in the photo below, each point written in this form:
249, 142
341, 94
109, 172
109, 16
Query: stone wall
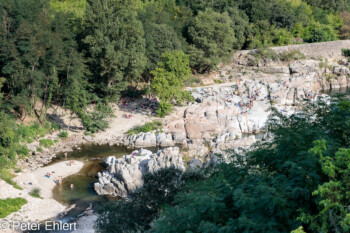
330, 50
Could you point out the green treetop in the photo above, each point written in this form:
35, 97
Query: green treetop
170, 74
114, 45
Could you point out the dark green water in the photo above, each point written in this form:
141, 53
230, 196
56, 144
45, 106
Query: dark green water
332, 92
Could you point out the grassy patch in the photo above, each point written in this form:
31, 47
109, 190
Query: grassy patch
218, 81
29, 133
7, 177
35, 193
10, 205
148, 127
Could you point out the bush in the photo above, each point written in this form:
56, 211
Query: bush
11, 205
184, 96
346, 53
164, 109
22, 150
35, 193
148, 127
97, 119
46, 143
29, 133
265, 54
63, 134
292, 55
218, 81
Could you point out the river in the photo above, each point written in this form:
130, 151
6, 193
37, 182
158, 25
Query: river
83, 193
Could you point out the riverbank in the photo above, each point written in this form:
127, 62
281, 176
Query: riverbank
38, 209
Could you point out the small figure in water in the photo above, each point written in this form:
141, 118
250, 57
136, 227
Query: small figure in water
71, 186
65, 155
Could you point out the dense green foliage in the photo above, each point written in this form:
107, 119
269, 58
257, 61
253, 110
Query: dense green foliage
11, 205
115, 45
212, 39
169, 80
77, 52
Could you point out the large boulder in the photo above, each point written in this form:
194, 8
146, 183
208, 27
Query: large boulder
123, 176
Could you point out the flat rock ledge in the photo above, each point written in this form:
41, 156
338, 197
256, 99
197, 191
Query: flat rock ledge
123, 176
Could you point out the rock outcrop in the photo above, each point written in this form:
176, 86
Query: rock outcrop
123, 176
150, 139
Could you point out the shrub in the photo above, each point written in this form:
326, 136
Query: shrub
184, 96
35, 193
63, 134
29, 133
164, 108
346, 53
291, 55
218, 81
265, 54
148, 127
39, 149
22, 150
96, 120
11, 205
46, 143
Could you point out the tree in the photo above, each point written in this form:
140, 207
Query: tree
333, 5
115, 46
160, 38
212, 39
240, 25
283, 15
168, 81
2, 80
334, 215
317, 32
34, 51
169, 76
